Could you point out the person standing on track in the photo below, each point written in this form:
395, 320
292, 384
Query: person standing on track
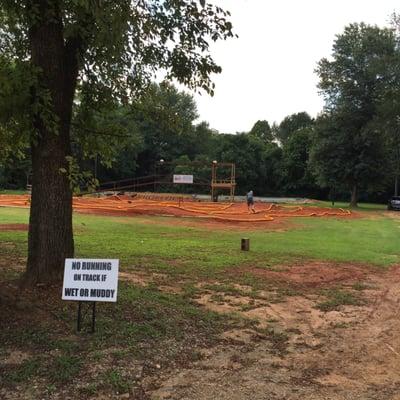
250, 202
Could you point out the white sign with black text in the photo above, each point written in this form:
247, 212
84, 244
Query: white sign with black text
183, 178
90, 279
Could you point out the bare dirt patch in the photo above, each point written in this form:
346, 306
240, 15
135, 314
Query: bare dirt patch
138, 278
279, 225
145, 279
349, 354
310, 273
14, 227
16, 357
393, 214
292, 350
218, 213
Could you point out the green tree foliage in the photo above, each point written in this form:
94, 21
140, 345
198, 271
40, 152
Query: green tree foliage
165, 122
291, 124
107, 52
165, 119
257, 162
15, 81
345, 161
15, 174
298, 176
389, 109
349, 150
105, 138
262, 130
164, 125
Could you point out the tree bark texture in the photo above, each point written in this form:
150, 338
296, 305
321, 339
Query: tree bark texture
354, 197
50, 238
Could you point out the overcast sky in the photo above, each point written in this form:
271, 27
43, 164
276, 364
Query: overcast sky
268, 72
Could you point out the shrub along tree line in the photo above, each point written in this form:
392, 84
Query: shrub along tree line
301, 156
162, 126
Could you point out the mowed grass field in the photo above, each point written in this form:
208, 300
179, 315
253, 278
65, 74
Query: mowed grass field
158, 322
372, 239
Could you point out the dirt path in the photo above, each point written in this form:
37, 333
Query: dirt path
218, 213
14, 227
353, 353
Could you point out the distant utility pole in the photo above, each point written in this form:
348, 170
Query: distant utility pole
397, 158
95, 167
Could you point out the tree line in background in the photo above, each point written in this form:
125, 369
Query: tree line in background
162, 126
350, 151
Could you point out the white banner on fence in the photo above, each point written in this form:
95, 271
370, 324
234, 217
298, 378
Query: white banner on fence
90, 279
183, 178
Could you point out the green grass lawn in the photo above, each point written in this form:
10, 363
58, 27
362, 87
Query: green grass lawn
154, 243
13, 191
152, 326
361, 206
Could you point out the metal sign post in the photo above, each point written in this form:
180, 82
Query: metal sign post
78, 327
79, 317
93, 316
89, 281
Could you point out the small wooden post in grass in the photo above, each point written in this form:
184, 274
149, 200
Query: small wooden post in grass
245, 244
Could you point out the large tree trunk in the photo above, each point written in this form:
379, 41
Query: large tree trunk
50, 225
354, 197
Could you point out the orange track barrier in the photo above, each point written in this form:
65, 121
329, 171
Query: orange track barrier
231, 212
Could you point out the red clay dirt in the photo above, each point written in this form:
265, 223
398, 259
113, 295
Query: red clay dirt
13, 227
347, 354
310, 274
219, 212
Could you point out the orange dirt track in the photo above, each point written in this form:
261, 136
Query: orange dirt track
225, 212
